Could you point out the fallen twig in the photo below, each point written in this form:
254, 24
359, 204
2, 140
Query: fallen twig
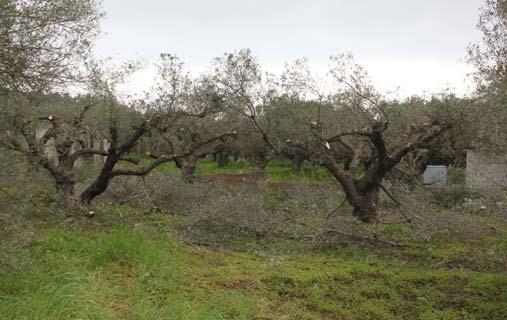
365, 238
336, 209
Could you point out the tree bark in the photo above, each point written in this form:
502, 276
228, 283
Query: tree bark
363, 193
422, 160
297, 164
222, 159
188, 169
101, 182
260, 165
66, 192
361, 196
365, 204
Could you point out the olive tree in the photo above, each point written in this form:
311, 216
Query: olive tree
490, 56
56, 140
41, 41
192, 114
42, 46
355, 120
487, 120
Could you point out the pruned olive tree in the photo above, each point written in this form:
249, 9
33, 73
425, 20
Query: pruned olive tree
447, 149
354, 119
47, 141
177, 97
56, 141
355, 94
193, 116
242, 84
68, 134
121, 136
42, 45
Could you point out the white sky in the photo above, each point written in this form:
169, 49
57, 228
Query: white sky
413, 45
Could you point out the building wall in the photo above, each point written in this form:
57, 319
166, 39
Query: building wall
486, 169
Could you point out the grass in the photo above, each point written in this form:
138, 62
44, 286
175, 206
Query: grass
128, 263
277, 171
111, 275
125, 272
282, 171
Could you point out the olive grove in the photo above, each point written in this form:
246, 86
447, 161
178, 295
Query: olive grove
342, 124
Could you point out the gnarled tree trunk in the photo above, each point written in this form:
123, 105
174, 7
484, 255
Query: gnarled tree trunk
188, 169
361, 196
363, 192
260, 165
222, 159
364, 203
66, 192
297, 164
100, 184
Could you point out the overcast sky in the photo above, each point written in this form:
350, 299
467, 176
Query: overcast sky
413, 45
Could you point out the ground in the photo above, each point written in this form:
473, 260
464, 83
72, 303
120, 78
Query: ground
128, 263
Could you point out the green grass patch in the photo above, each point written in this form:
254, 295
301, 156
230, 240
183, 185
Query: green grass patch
122, 274
282, 171
276, 170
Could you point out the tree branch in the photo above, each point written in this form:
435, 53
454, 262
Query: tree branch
160, 159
